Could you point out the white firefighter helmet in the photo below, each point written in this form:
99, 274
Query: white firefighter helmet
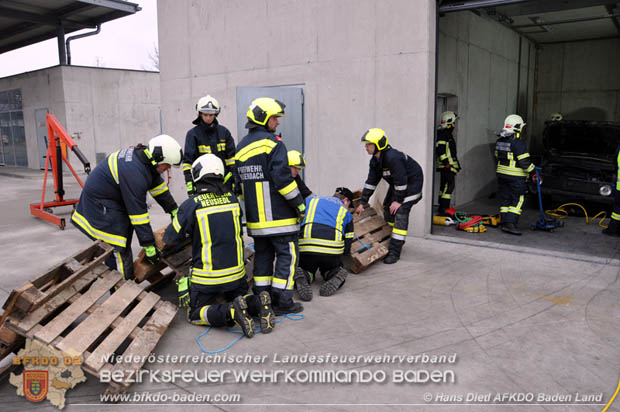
207, 164
513, 123
165, 149
447, 119
208, 105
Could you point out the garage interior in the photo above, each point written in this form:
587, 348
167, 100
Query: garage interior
533, 58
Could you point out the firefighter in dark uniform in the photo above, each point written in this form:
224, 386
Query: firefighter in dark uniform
296, 161
614, 224
513, 168
212, 218
208, 136
273, 204
325, 238
113, 202
446, 161
405, 179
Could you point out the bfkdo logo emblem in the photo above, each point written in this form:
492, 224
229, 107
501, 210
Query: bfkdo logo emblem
35, 385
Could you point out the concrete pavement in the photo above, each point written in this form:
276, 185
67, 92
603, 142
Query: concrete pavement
517, 324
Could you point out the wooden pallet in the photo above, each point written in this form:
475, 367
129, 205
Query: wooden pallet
373, 237
95, 315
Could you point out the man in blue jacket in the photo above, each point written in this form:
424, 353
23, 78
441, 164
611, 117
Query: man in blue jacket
325, 238
113, 202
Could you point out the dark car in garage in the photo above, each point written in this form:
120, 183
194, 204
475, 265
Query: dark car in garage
578, 162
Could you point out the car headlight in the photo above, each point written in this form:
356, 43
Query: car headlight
605, 190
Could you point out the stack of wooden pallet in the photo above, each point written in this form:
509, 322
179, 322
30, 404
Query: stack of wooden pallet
85, 309
372, 238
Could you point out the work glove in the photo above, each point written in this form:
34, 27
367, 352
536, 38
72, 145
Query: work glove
174, 213
190, 189
152, 254
183, 291
301, 212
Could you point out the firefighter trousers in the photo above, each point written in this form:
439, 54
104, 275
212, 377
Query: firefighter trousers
284, 250
327, 264
204, 311
446, 187
511, 192
121, 261
399, 223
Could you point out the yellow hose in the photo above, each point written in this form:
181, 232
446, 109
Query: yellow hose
562, 213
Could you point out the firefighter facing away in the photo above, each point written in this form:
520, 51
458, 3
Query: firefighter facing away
208, 136
212, 218
296, 161
447, 163
273, 203
513, 168
113, 202
405, 179
325, 238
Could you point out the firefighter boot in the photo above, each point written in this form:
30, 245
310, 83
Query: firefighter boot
285, 304
259, 306
443, 205
302, 284
239, 314
613, 229
394, 251
267, 315
335, 280
510, 228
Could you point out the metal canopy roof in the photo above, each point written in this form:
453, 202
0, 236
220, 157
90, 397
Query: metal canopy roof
25, 22
549, 21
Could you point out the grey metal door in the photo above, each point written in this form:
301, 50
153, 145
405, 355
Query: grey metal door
291, 125
39, 116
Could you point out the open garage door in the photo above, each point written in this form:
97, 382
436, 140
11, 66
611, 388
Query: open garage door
535, 59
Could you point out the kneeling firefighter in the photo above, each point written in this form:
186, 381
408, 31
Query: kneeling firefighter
212, 218
325, 238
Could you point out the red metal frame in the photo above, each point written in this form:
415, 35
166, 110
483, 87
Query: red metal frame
57, 136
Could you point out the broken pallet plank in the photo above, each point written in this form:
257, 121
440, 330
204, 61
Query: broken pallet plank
146, 340
106, 348
368, 226
25, 324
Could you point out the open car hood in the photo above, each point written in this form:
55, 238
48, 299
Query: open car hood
582, 138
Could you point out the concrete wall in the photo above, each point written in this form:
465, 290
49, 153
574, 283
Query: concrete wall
580, 79
478, 61
40, 89
108, 108
362, 64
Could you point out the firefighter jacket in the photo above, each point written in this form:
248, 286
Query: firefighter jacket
114, 198
271, 195
208, 138
400, 171
327, 227
445, 152
303, 189
513, 159
214, 223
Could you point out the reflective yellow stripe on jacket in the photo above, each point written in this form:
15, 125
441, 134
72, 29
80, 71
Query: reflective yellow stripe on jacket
98, 234
207, 275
